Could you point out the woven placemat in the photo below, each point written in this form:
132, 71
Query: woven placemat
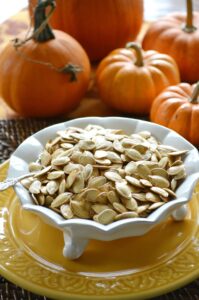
12, 133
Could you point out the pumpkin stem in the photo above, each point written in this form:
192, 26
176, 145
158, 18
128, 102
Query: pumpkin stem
138, 50
72, 70
194, 98
189, 27
42, 31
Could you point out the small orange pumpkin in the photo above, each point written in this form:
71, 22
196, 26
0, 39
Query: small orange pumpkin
129, 79
177, 107
178, 36
47, 74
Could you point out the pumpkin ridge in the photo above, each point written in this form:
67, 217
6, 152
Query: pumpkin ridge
163, 110
194, 132
181, 121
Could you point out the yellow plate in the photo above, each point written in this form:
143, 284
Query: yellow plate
134, 268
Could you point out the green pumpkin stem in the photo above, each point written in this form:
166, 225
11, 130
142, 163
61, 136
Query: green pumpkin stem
189, 27
195, 95
138, 50
42, 31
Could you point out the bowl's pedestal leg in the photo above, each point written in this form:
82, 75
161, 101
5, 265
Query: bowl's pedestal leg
180, 213
73, 246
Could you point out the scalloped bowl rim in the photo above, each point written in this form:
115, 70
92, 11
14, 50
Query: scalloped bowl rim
115, 122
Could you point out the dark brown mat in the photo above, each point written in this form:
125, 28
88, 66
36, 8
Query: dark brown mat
12, 133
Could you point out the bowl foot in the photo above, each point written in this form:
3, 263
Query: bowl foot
73, 246
180, 213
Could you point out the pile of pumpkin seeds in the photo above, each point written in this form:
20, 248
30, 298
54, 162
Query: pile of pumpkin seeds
104, 174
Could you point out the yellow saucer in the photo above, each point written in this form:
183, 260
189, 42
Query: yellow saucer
134, 268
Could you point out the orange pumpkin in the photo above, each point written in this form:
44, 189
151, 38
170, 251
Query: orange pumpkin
178, 36
177, 107
42, 77
99, 25
129, 79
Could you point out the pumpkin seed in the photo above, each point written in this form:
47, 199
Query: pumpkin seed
145, 134
142, 208
134, 181
133, 154
86, 159
78, 184
123, 189
61, 199
113, 176
130, 168
48, 200
104, 161
140, 148
119, 207
139, 196
143, 171
173, 184
105, 217
175, 170
86, 145
126, 215
114, 157
62, 186
170, 192
163, 162
52, 187
151, 197
155, 205
40, 199
118, 146
102, 198
178, 153
159, 191
160, 172
130, 204
145, 183
90, 194
34, 167
113, 197
42, 172
79, 210
159, 181
55, 175
66, 211
26, 182
71, 178
66, 146
35, 187
44, 190
59, 161
96, 182
45, 158
98, 208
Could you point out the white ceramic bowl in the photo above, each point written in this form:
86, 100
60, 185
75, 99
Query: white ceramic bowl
77, 232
